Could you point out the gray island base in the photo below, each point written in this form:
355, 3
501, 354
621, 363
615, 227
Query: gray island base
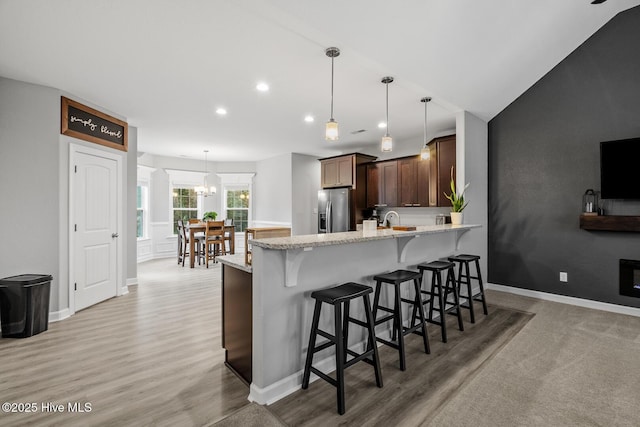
287, 269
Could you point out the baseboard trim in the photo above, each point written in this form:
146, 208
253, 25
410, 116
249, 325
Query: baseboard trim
276, 391
56, 316
132, 281
596, 305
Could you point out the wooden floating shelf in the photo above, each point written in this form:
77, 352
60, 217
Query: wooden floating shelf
610, 223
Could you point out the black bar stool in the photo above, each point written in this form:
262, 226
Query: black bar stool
337, 296
396, 278
464, 260
444, 305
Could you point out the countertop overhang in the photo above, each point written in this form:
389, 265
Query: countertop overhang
315, 240
235, 261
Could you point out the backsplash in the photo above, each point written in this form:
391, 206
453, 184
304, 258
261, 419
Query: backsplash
414, 216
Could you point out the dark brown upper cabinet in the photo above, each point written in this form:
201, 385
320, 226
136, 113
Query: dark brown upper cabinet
413, 182
340, 171
442, 152
382, 184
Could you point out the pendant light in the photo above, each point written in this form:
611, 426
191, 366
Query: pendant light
204, 189
331, 129
424, 153
387, 141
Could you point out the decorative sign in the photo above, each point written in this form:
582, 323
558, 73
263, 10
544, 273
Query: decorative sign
84, 122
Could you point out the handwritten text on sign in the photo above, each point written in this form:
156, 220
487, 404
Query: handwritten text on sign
84, 122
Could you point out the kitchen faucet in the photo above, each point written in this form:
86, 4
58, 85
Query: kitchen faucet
386, 217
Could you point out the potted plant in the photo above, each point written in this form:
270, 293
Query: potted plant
210, 216
457, 202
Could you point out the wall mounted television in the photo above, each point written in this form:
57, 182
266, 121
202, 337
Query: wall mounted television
620, 169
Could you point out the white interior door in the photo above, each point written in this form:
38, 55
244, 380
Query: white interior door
95, 229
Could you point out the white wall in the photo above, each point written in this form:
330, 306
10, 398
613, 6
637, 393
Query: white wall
305, 185
273, 191
131, 206
472, 151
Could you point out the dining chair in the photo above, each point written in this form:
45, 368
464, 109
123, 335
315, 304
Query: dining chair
213, 241
183, 237
193, 220
227, 234
180, 251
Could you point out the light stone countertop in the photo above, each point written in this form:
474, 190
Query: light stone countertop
235, 261
313, 240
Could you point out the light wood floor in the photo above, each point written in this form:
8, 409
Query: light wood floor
411, 397
152, 357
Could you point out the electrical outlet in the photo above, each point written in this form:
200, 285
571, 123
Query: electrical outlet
563, 276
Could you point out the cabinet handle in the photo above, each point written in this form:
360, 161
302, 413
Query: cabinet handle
416, 204
409, 204
380, 205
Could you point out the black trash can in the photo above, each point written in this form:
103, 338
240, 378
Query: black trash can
24, 304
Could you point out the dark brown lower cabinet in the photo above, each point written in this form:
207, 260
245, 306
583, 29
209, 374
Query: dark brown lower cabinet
237, 321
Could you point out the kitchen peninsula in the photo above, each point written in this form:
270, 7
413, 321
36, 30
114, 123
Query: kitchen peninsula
284, 272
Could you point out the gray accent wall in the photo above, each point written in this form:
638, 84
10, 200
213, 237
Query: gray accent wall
544, 154
29, 182
34, 188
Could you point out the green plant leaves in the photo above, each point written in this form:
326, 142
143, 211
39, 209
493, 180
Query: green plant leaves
457, 200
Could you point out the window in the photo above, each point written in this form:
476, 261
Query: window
142, 213
237, 206
142, 202
185, 205
236, 195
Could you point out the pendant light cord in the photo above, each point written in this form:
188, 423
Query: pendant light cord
206, 183
387, 132
425, 123
332, 88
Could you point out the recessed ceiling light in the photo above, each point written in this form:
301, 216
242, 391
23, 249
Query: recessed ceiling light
262, 87
221, 111
382, 125
308, 119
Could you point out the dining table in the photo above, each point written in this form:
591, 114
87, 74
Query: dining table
198, 227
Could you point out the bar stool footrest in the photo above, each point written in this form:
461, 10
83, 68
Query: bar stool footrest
324, 376
384, 319
322, 346
358, 357
387, 342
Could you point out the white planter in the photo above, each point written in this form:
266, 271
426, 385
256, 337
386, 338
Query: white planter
456, 218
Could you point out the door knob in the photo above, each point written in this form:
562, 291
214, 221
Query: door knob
114, 235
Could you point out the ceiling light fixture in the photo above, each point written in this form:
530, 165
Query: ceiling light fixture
424, 153
331, 129
382, 125
262, 87
205, 190
309, 119
221, 111
387, 141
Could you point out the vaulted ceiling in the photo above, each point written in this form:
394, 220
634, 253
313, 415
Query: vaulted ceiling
168, 65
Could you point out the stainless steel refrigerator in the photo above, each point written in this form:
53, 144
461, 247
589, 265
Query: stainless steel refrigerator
335, 210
